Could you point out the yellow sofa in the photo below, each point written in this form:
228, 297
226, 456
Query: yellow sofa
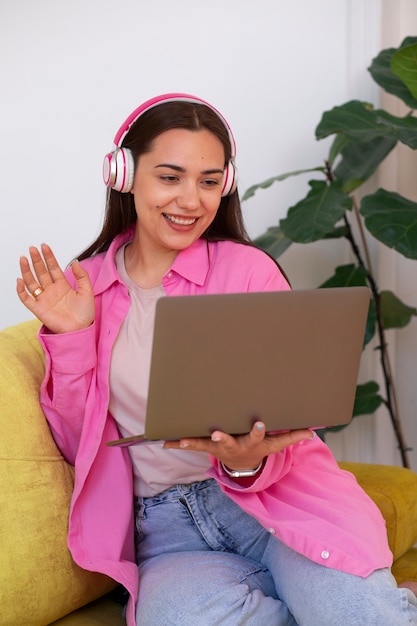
39, 582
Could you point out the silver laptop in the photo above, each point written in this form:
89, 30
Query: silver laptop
290, 359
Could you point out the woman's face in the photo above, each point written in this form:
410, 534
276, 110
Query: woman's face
177, 189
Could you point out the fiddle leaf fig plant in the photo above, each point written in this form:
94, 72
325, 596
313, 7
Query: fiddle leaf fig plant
363, 136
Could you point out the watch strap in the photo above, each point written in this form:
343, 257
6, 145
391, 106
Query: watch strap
243, 473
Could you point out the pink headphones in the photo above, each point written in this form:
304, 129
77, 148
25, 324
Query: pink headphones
119, 166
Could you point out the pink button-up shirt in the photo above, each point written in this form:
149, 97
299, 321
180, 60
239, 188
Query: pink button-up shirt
301, 496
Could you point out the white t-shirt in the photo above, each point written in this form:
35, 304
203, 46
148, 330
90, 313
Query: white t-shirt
155, 469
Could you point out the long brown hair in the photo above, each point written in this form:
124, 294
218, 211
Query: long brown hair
120, 211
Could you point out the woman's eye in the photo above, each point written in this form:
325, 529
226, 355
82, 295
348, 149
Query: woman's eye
169, 178
211, 182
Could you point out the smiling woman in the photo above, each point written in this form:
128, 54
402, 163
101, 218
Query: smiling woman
177, 190
136, 137
228, 529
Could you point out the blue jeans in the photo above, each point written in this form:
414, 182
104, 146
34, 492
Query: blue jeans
203, 561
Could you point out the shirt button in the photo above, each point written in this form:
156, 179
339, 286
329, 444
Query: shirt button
325, 554
169, 275
272, 531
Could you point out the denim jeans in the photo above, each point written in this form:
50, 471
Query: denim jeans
205, 562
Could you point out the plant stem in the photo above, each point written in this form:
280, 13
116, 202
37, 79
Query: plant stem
390, 402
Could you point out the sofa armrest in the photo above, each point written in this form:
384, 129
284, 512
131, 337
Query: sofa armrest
394, 491
39, 580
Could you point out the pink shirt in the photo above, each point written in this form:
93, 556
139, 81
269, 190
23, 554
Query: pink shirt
301, 496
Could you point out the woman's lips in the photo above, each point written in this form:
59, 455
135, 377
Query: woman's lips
180, 221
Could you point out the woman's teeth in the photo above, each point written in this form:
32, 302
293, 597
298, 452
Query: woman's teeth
181, 221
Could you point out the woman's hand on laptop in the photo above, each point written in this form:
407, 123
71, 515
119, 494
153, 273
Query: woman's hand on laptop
242, 452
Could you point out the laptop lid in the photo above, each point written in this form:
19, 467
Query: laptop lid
290, 359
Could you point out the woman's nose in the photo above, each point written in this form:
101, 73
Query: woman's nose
189, 197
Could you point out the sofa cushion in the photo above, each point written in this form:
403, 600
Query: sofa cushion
103, 612
394, 491
405, 568
39, 582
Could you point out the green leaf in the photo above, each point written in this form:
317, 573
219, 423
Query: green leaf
392, 219
273, 241
383, 75
358, 121
351, 275
394, 313
315, 216
360, 159
275, 179
337, 146
404, 65
321, 432
367, 399
403, 128
337, 232
348, 275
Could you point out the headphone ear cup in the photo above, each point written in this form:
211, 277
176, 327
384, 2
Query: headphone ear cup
119, 170
229, 180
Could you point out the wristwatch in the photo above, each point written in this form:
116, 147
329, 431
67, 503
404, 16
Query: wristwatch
243, 473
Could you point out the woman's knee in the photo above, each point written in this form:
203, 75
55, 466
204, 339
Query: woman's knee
207, 588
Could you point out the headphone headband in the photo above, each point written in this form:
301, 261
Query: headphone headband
169, 97
118, 165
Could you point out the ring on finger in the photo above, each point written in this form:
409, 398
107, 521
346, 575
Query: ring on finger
37, 292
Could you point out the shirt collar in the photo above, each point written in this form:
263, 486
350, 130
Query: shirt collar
193, 263
108, 273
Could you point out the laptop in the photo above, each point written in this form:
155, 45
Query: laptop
289, 358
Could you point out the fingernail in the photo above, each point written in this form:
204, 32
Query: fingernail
259, 425
216, 438
313, 435
184, 444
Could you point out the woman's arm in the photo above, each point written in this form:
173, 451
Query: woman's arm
64, 303
70, 362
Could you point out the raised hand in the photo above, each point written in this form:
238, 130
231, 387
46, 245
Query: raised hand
45, 291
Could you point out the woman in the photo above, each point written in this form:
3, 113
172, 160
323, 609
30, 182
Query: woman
229, 530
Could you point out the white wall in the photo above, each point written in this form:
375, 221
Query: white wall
72, 70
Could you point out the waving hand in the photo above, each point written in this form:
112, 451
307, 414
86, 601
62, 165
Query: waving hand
45, 291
